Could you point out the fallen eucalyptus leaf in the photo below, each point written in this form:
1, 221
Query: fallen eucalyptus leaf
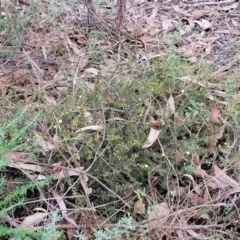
152, 137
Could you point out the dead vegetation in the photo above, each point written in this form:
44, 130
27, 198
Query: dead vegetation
119, 120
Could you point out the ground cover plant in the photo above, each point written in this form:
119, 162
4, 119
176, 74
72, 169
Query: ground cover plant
119, 121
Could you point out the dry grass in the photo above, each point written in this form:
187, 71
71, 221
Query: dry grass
138, 121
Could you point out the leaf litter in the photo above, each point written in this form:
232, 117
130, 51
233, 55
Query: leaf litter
203, 32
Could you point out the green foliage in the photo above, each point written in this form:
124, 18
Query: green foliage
95, 53
13, 133
120, 106
11, 29
233, 105
124, 228
188, 169
127, 98
194, 108
18, 196
118, 149
97, 2
23, 234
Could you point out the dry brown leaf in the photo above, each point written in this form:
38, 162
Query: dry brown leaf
92, 71
222, 179
46, 145
148, 39
214, 114
230, 7
83, 62
182, 191
197, 13
196, 187
148, 104
80, 38
208, 48
59, 172
189, 50
31, 221
203, 215
218, 179
170, 104
193, 80
152, 137
166, 23
210, 96
50, 84
116, 119
195, 198
158, 216
193, 234
24, 166
51, 72
235, 23
154, 13
206, 196
208, 179
83, 178
92, 127
74, 47
32, 167
89, 73
139, 207
219, 93
156, 123
204, 24
63, 208
180, 234
207, 40
219, 135
50, 100
190, 26
181, 11
19, 156
56, 140
40, 209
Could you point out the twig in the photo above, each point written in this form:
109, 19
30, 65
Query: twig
107, 188
120, 16
91, 10
209, 3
